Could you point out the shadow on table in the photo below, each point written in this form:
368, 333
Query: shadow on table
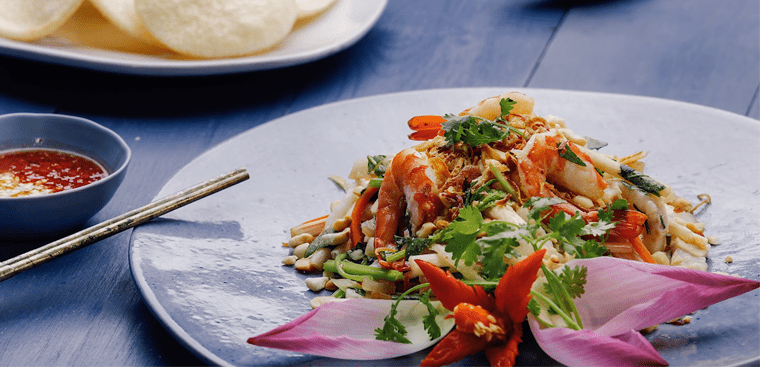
13, 249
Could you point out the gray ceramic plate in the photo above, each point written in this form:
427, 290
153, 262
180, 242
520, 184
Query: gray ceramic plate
211, 272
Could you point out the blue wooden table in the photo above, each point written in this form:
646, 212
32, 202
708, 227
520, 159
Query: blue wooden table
84, 309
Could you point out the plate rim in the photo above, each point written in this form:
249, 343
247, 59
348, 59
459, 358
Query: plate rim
188, 341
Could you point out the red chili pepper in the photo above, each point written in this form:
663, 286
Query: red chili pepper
509, 305
449, 290
513, 292
455, 346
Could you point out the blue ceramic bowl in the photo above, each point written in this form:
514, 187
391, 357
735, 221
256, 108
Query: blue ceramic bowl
38, 217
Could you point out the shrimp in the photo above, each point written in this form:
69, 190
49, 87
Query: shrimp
540, 163
409, 184
657, 215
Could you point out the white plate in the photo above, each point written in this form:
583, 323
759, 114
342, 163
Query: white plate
336, 29
211, 271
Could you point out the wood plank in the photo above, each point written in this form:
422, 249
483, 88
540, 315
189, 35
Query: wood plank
688, 50
436, 44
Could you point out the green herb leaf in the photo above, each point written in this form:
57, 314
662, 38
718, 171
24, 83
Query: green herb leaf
574, 280
591, 249
375, 165
319, 242
538, 205
500, 240
471, 131
564, 151
428, 321
641, 180
619, 204
484, 196
412, 245
506, 106
533, 307
392, 330
461, 234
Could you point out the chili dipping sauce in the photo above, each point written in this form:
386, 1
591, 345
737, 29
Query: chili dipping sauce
43, 171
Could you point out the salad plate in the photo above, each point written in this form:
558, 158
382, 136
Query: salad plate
330, 32
211, 272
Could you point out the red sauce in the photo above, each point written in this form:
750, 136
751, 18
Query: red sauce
54, 169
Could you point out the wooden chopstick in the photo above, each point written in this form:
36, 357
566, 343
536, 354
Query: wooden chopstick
125, 221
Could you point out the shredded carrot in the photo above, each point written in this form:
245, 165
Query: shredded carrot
313, 227
356, 215
316, 219
641, 250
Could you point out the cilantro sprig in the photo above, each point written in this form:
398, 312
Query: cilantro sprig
475, 131
394, 330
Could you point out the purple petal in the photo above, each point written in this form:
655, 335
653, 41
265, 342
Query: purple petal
587, 348
346, 330
622, 295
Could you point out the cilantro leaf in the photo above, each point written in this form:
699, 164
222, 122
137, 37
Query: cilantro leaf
598, 229
591, 249
534, 307
539, 204
471, 131
500, 240
566, 227
619, 204
460, 235
506, 106
392, 330
428, 321
574, 280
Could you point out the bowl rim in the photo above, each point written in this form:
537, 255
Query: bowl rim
116, 173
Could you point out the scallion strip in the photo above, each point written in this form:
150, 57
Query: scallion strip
502, 180
363, 270
568, 320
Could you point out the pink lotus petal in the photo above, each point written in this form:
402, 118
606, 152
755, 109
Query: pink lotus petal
346, 330
625, 296
587, 348
622, 295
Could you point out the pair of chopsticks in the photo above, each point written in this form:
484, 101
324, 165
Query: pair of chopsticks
125, 221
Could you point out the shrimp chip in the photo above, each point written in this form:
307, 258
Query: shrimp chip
122, 14
309, 8
28, 20
218, 28
89, 28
